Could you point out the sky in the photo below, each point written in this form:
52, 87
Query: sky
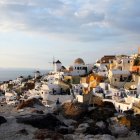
32, 32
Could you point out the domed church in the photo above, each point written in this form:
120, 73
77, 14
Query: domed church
78, 68
79, 61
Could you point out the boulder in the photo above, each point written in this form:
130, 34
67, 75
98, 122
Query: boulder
131, 121
73, 110
2, 120
119, 130
44, 134
82, 128
101, 124
44, 121
30, 103
62, 129
101, 113
108, 104
22, 132
124, 121
70, 122
37, 111
98, 128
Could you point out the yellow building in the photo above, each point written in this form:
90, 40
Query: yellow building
92, 80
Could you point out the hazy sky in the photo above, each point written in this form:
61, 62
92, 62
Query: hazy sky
33, 31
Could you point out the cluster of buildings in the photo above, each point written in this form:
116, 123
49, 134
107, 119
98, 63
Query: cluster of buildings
113, 78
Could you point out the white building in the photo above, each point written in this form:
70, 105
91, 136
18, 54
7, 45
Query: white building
79, 68
123, 63
20, 78
102, 70
118, 77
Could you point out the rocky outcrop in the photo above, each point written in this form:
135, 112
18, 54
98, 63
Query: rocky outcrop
107, 104
44, 134
2, 120
23, 132
124, 121
73, 110
46, 121
37, 111
119, 130
101, 113
131, 121
29, 103
135, 123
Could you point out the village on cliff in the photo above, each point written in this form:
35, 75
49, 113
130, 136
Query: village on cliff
112, 83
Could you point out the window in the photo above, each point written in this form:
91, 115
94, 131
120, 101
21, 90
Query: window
121, 78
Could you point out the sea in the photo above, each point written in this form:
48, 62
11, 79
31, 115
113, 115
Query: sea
12, 73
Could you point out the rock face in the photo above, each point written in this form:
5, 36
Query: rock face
44, 134
108, 105
101, 113
135, 123
47, 121
2, 120
73, 110
131, 121
29, 103
124, 121
37, 111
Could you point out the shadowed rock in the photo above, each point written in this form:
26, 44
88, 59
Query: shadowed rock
101, 113
47, 134
23, 132
37, 111
2, 120
47, 121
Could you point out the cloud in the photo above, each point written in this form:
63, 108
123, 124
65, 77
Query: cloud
82, 20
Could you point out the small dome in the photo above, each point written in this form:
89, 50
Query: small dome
71, 68
79, 61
